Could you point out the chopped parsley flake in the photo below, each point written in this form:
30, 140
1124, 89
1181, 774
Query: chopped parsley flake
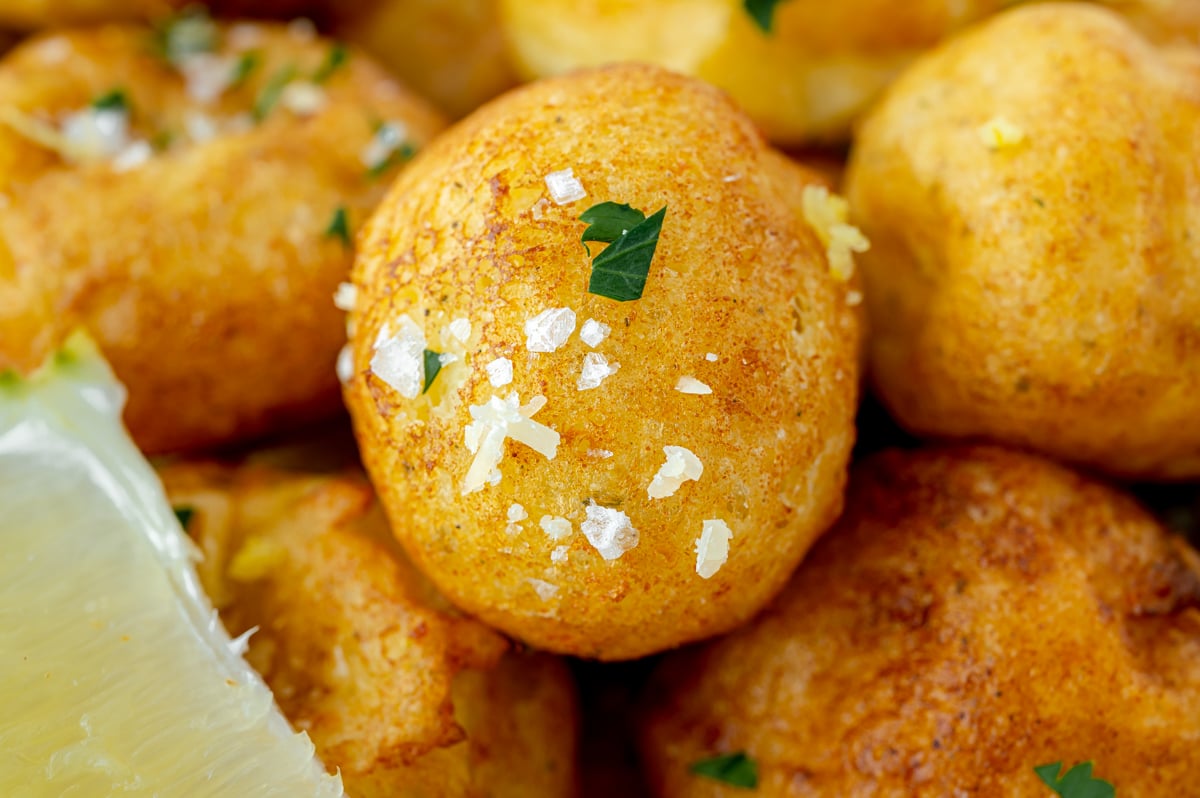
339, 226
184, 515
115, 100
736, 770
433, 364
244, 68
1078, 783
189, 33
608, 221
619, 272
335, 60
762, 12
269, 96
162, 140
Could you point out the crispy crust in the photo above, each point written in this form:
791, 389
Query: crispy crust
205, 274
397, 691
1043, 294
738, 272
976, 612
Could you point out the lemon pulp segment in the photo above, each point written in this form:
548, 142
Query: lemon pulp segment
116, 677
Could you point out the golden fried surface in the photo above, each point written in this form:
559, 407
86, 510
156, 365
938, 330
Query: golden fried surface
205, 273
468, 232
451, 52
36, 14
807, 80
976, 613
401, 694
1032, 278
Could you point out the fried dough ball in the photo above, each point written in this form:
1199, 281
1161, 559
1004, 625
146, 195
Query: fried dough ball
806, 80
198, 225
585, 502
452, 53
396, 690
975, 614
36, 14
1031, 278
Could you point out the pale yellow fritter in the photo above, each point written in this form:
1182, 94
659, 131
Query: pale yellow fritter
454, 53
206, 272
807, 80
740, 297
397, 691
1033, 277
975, 614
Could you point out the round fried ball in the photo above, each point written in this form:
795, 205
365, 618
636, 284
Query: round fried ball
199, 222
1031, 278
976, 613
38, 14
573, 468
452, 53
398, 692
806, 79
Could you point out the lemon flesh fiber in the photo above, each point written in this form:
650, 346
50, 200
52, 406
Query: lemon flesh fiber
116, 677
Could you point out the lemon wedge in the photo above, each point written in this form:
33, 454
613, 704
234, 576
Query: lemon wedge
116, 677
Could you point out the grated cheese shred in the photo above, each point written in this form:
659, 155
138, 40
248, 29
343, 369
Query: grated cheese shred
827, 214
693, 386
494, 422
712, 548
999, 133
345, 297
388, 139
681, 466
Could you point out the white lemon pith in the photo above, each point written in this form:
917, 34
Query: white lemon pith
116, 676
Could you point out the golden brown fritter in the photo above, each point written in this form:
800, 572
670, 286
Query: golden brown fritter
1031, 278
976, 613
453, 53
396, 690
37, 14
740, 300
205, 268
807, 80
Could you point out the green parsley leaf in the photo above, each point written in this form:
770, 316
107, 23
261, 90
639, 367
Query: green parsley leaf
737, 770
762, 12
162, 140
339, 226
114, 100
335, 60
271, 93
619, 272
184, 514
188, 33
1078, 783
433, 364
608, 221
244, 68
